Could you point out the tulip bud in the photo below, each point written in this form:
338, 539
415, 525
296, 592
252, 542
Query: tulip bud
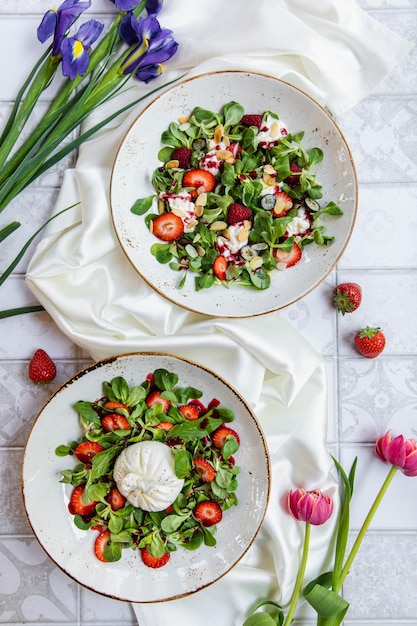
310, 506
400, 452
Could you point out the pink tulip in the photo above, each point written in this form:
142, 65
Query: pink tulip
400, 452
310, 506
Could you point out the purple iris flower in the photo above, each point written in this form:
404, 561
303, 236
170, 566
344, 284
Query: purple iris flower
154, 46
152, 6
74, 50
57, 22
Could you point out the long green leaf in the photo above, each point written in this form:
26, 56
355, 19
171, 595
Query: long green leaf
16, 260
8, 230
19, 311
327, 603
20, 94
344, 522
27, 172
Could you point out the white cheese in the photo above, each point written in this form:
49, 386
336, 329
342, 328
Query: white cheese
144, 474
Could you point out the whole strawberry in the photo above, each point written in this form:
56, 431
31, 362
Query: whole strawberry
42, 369
347, 297
370, 342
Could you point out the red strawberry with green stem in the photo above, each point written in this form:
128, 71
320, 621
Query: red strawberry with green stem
347, 297
370, 342
42, 369
208, 513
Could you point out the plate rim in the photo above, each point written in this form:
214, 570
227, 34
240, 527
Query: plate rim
108, 361
322, 278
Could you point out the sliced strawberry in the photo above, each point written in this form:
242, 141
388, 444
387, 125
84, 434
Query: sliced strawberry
200, 181
76, 505
288, 259
168, 227
86, 450
156, 397
183, 156
220, 267
165, 426
204, 469
208, 513
252, 120
283, 203
112, 405
219, 436
190, 411
154, 561
238, 213
114, 421
100, 544
116, 499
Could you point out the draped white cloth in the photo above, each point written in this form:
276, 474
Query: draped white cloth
338, 54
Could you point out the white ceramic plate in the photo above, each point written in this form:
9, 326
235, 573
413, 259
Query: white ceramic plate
46, 499
137, 159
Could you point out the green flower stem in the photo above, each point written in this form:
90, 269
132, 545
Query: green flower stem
365, 526
103, 51
300, 577
38, 85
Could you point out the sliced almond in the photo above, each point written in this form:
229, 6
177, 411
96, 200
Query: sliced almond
268, 169
161, 206
178, 212
202, 199
200, 250
219, 225
197, 237
274, 130
192, 224
256, 263
198, 210
226, 141
172, 164
218, 133
183, 120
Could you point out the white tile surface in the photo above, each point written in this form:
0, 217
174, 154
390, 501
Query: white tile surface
365, 397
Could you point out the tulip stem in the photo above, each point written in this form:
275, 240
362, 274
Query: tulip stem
365, 526
300, 577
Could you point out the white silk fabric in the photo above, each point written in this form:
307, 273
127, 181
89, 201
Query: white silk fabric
336, 53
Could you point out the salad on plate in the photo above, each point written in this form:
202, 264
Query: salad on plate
236, 198
154, 469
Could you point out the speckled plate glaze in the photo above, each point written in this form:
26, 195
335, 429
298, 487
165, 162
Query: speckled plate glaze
46, 499
137, 158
